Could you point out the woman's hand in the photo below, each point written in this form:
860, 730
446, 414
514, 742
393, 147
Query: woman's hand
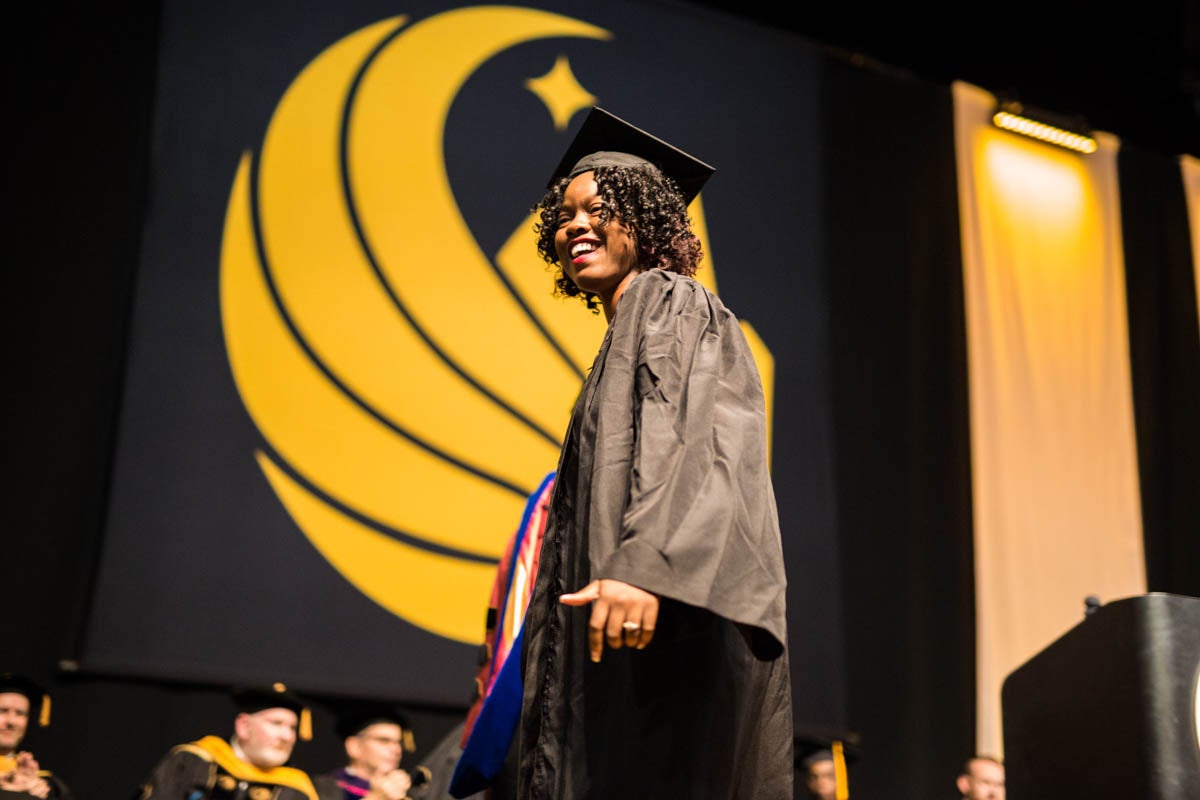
622, 614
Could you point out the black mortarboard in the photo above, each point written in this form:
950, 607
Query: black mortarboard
607, 140
355, 716
252, 699
39, 700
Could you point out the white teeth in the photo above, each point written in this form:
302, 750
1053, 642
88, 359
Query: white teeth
581, 248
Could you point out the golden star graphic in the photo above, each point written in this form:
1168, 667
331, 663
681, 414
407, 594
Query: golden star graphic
561, 92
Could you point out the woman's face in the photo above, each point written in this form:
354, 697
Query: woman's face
598, 260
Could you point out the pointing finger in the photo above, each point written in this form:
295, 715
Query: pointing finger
586, 595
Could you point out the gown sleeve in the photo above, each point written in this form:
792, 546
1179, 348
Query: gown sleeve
699, 522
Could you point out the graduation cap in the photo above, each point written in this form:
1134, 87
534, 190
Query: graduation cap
39, 700
252, 699
605, 140
841, 749
353, 717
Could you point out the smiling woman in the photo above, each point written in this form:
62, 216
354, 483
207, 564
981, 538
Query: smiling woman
655, 660
597, 249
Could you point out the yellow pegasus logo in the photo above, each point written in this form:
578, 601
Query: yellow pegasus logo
412, 392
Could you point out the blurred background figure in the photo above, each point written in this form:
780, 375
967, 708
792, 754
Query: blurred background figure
820, 777
21, 699
821, 766
982, 778
250, 764
376, 736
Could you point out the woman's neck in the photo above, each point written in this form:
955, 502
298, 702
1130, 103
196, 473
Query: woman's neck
610, 303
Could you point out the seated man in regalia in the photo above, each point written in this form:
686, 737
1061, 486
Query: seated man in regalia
250, 765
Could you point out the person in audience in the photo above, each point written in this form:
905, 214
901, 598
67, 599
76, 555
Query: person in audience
822, 764
20, 774
982, 778
376, 736
250, 764
820, 777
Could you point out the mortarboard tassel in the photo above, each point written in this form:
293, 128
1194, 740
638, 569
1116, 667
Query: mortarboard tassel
839, 772
305, 725
44, 716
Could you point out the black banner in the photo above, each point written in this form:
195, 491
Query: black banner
346, 370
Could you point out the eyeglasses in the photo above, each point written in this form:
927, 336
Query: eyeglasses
381, 739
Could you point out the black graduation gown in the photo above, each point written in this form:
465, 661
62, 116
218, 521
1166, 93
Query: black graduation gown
207, 769
663, 483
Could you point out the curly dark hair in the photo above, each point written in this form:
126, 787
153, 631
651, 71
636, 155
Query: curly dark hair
651, 206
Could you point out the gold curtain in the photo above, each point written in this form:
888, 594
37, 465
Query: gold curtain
1054, 463
1190, 166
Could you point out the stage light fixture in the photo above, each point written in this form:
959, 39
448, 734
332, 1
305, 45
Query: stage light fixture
1072, 133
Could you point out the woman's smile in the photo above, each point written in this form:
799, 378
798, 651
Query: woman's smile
599, 257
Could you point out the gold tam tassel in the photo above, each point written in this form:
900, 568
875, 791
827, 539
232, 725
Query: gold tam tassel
305, 725
839, 772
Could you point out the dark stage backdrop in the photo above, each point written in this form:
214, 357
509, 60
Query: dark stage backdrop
898, 362
345, 372
899, 392
143, 461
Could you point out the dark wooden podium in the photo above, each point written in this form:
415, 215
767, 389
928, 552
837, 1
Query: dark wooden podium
1109, 709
